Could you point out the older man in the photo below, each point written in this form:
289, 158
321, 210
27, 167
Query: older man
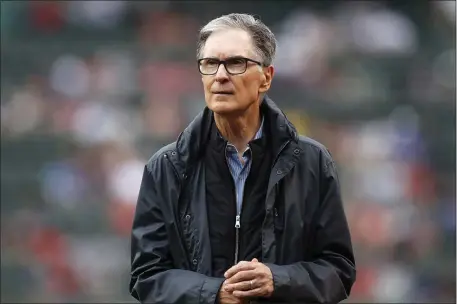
240, 208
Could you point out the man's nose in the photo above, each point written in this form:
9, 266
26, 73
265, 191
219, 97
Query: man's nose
221, 73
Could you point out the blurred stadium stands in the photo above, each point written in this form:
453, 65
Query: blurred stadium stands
91, 89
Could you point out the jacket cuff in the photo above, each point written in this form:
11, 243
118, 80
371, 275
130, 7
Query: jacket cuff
210, 290
281, 281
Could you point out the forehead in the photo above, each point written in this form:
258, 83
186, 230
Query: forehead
228, 43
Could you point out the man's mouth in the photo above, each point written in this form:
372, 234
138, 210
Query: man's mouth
223, 92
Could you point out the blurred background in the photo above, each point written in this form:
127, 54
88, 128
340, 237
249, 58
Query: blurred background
91, 89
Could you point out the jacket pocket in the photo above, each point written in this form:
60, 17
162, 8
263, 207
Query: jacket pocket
278, 220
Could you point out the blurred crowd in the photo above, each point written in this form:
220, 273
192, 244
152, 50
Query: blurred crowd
91, 89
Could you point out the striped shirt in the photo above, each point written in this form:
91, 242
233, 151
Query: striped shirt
240, 170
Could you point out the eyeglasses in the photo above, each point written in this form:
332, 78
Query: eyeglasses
233, 66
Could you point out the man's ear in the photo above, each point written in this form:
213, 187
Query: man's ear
268, 74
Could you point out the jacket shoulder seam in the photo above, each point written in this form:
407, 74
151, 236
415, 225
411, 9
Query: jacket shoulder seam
328, 159
159, 155
315, 144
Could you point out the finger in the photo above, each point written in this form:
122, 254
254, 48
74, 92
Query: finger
255, 260
258, 292
245, 285
241, 266
245, 275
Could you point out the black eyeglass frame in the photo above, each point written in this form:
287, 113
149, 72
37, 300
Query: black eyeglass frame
224, 62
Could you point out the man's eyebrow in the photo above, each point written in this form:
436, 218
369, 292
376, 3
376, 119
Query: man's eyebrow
236, 57
227, 58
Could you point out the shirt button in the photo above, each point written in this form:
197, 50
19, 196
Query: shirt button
188, 217
279, 172
296, 151
194, 261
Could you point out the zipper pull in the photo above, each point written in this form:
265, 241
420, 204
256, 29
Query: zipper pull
237, 222
276, 212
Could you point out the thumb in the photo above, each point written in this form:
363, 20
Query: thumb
255, 260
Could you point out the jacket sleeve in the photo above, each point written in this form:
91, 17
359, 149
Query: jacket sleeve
329, 277
153, 277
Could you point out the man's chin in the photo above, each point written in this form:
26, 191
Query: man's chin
224, 107
225, 111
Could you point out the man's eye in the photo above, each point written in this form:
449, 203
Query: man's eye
211, 62
236, 62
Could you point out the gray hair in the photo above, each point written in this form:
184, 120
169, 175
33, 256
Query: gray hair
263, 38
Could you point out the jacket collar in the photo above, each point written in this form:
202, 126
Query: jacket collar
192, 141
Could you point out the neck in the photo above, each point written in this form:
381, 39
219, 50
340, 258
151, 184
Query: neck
239, 130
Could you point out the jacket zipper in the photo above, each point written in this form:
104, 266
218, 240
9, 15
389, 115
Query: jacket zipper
237, 218
237, 236
238, 223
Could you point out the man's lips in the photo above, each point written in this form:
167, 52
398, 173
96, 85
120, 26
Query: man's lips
223, 92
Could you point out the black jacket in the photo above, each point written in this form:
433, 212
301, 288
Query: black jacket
305, 236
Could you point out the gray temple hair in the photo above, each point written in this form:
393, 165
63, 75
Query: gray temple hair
262, 37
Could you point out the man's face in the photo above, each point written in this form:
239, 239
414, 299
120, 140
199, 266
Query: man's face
244, 89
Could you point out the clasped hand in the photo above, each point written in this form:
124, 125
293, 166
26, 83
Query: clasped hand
246, 280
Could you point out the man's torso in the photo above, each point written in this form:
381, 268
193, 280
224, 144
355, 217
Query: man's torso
235, 189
